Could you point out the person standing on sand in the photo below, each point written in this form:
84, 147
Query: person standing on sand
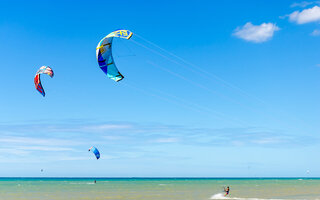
227, 191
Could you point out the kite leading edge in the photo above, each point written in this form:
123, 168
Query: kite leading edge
104, 54
95, 151
37, 80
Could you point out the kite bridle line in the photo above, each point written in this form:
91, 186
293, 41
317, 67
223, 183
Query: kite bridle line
208, 75
183, 103
193, 82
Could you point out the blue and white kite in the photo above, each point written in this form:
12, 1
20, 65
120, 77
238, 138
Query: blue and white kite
95, 151
104, 54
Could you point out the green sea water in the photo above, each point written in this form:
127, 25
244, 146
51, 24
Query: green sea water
158, 188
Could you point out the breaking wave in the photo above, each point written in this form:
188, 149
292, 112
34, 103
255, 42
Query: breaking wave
221, 196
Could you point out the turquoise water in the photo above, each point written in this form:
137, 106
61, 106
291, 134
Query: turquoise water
157, 188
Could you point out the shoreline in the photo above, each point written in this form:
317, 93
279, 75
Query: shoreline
212, 178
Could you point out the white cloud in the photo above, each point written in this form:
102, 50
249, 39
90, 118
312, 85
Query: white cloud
267, 141
132, 135
70, 158
306, 15
13, 151
35, 141
106, 127
304, 4
43, 148
256, 33
166, 140
114, 137
316, 32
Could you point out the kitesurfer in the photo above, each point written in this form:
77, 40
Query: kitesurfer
227, 190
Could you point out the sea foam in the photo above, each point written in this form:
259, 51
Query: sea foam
221, 196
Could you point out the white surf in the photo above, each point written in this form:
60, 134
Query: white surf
221, 196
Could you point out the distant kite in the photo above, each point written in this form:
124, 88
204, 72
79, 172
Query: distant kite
104, 54
37, 81
95, 152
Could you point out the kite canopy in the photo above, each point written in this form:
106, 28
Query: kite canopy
37, 81
104, 54
95, 152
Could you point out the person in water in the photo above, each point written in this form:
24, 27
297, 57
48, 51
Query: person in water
227, 190
95, 181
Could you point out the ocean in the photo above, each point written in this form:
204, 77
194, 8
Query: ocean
158, 188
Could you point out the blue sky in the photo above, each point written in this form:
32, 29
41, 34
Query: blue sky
211, 89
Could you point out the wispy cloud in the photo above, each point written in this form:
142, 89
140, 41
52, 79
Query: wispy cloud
44, 148
128, 140
306, 16
13, 151
165, 140
35, 141
67, 127
248, 137
29, 149
70, 158
315, 32
304, 4
64, 137
268, 140
256, 33
106, 127
114, 137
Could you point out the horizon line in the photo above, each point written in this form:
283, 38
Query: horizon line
163, 177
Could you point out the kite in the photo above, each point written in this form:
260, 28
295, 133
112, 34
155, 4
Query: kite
104, 54
37, 81
95, 151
